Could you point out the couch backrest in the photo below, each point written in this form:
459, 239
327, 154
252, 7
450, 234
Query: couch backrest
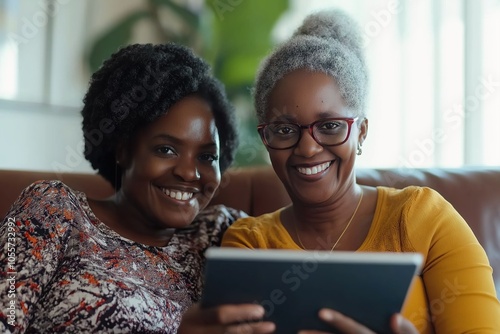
474, 192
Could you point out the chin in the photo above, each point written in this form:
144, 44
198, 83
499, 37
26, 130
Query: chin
177, 218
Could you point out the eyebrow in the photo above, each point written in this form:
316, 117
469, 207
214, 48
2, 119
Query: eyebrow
321, 115
176, 140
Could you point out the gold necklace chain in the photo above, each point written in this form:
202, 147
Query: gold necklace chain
341, 234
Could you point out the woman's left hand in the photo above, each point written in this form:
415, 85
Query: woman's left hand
346, 325
225, 319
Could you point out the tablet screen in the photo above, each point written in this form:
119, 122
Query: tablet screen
293, 286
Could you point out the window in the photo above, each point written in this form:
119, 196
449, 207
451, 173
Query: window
434, 79
434, 74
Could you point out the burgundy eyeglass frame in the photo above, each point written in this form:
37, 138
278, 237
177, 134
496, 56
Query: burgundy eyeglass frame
309, 127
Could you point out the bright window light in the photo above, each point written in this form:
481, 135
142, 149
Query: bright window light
8, 51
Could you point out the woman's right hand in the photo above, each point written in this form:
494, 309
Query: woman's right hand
225, 319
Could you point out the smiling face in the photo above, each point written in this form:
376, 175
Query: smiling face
313, 173
171, 169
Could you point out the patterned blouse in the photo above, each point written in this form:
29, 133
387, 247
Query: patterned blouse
62, 270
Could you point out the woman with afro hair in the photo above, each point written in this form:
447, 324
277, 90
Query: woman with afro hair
157, 126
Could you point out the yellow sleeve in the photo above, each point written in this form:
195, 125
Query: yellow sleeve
457, 275
264, 232
239, 235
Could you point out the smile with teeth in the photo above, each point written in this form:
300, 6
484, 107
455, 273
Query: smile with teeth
178, 195
314, 170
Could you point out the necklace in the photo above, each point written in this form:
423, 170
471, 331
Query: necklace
341, 234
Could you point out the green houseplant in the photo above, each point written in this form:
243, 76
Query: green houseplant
233, 35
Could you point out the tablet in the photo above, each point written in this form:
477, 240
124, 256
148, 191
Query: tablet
293, 286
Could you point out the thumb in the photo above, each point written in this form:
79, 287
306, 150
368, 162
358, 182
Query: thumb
401, 325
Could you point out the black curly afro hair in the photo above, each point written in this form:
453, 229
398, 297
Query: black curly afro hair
138, 84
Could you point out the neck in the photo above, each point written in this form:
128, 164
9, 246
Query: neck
323, 216
325, 225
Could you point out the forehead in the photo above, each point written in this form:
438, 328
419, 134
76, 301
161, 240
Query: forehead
191, 118
303, 93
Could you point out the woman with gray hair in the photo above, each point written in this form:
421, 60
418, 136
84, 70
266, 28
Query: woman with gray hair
310, 96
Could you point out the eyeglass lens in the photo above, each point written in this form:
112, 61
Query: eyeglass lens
325, 132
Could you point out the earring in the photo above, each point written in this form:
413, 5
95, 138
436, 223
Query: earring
117, 169
359, 151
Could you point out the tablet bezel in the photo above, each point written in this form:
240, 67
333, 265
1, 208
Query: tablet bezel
243, 268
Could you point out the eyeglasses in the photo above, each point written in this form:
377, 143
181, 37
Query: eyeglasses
327, 132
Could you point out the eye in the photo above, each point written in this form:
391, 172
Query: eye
329, 125
165, 150
284, 129
208, 157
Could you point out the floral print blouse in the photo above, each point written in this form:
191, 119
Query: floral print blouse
62, 270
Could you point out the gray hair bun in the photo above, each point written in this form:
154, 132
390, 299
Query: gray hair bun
336, 25
328, 42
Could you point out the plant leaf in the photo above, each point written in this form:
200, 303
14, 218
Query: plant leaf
243, 30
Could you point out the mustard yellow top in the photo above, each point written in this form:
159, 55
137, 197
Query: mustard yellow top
454, 293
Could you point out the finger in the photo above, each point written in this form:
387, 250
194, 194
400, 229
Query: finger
225, 319
342, 323
401, 325
251, 328
230, 314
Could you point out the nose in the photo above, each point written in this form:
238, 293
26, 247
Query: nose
307, 145
187, 169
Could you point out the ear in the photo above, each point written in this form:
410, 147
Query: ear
363, 130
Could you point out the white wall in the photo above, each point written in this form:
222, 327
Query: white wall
41, 138
40, 128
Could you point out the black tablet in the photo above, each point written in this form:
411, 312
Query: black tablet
293, 286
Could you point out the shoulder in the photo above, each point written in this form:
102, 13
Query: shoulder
44, 192
47, 189
409, 191
265, 231
213, 221
219, 214
266, 225
415, 205
420, 214
260, 223
46, 213
409, 196
47, 202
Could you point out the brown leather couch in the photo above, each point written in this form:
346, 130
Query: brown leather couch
474, 192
